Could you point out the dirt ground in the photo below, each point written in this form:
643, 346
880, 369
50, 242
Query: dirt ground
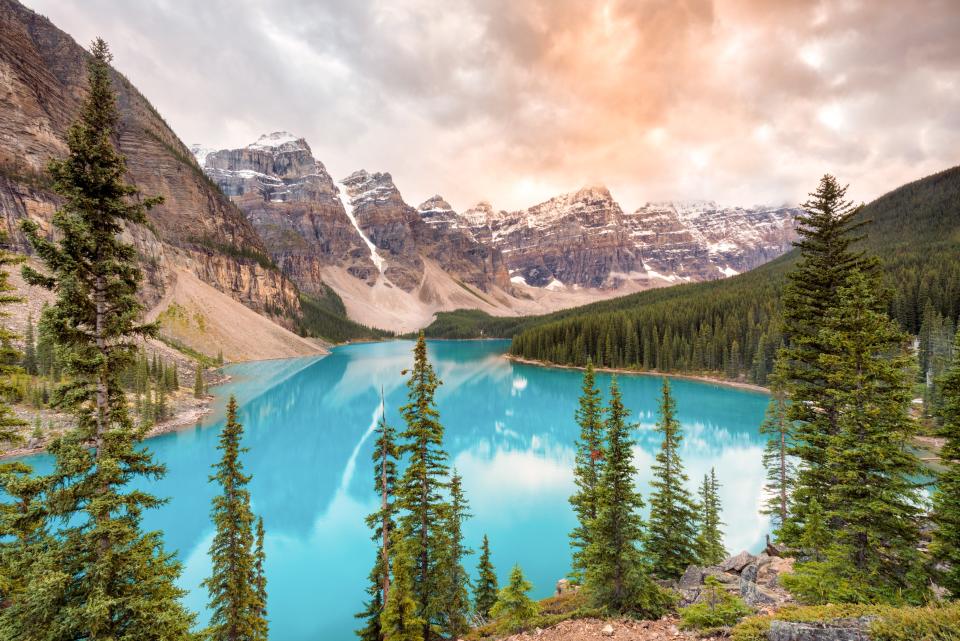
666, 629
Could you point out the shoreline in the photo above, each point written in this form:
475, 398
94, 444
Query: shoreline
188, 415
750, 387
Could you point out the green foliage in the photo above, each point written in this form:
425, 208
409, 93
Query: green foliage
780, 470
946, 498
326, 317
587, 470
915, 230
400, 620
454, 582
514, 609
97, 576
8, 355
236, 599
616, 576
717, 609
485, 589
709, 544
199, 390
245, 253
672, 531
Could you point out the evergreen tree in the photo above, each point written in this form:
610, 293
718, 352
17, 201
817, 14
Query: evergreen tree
8, 356
454, 580
827, 230
616, 578
710, 550
100, 576
29, 348
198, 391
382, 523
420, 490
946, 498
776, 461
672, 530
260, 574
873, 501
514, 608
235, 605
400, 620
485, 590
587, 470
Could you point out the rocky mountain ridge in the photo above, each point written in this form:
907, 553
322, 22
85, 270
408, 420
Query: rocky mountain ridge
571, 249
197, 228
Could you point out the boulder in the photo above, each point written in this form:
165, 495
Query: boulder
607, 630
755, 595
768, 573
691, 579
737, 563
563, 586
720, 575
838, 630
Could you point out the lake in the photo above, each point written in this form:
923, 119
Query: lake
509, 431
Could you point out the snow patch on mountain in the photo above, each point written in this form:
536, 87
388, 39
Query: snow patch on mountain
377, 259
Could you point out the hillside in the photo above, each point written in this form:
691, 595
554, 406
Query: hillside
727, 326
196, 232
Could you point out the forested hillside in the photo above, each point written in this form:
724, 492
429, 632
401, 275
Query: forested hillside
729, 326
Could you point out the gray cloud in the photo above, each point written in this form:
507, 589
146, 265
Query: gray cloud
512, 101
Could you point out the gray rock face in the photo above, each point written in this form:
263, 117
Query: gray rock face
737, 562
839, 630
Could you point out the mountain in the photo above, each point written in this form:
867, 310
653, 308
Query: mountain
584, 239
730, 326
394, 265
197, 230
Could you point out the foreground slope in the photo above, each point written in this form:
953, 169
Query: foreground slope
728, 325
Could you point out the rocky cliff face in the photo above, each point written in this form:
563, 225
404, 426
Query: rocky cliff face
585, 240
43, 74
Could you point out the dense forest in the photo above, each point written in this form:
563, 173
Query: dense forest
730, 327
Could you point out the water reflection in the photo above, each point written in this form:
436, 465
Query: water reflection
509, 433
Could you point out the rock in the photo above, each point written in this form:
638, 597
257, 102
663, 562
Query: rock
737, 563
720, 575
538, 631
691, 579
607, 630
754, 595
838, 630
563, 586
769, 573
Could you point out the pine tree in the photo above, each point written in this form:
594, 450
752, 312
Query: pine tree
485, 590
101, 576
946, 498
827, 230
420, 490
514, 608
672, 529
776, 461
588, 467
235, 605
400, 620
260, 575
8, 356
382, 524
198, 391
29, 348
616, 578
454, 580
873, 501
710, 549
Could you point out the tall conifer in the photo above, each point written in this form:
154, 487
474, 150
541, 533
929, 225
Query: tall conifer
616, 577
827, 231
588, 467
382, 524
101, 576
485, 590
260, 574
776, 460
946, 498
672, 530
454, 580
235, 604
709, 544
422, 486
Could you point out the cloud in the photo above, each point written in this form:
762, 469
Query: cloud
513, 101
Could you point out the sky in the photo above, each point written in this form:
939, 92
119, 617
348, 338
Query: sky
515, 101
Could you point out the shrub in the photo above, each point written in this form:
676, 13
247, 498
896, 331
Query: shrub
717, 610
514, 609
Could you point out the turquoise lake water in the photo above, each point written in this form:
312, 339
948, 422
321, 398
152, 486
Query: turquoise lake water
509, 431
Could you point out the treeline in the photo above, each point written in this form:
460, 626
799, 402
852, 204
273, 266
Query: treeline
326, 317
730, 327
